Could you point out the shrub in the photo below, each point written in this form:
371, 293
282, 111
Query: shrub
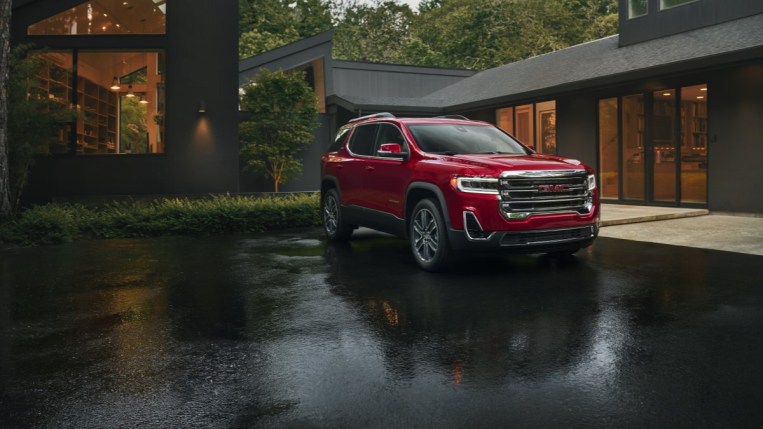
57, 223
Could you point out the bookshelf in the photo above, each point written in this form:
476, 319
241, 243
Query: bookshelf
97, 126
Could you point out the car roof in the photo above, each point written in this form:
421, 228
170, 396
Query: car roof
434, 120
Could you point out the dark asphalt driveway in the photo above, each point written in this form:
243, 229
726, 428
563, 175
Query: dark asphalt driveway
287, 331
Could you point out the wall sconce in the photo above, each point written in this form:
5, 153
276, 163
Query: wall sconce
202, 106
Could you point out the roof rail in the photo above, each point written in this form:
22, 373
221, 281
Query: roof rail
375, 115
453, 117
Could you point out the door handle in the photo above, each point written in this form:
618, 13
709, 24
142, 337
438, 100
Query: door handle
370, 168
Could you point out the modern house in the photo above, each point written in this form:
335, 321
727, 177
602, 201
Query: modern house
155, 82
670, 111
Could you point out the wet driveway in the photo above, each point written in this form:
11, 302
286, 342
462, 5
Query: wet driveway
287, 331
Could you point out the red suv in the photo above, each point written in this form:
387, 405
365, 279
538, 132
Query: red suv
450, 184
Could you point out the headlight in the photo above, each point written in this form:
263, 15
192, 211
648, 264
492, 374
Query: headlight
591, 182
475, 185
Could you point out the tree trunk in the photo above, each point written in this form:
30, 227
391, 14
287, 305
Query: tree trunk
5, 52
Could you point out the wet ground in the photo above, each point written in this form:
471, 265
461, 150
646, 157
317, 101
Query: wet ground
287, 331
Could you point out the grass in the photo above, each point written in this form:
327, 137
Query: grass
60, 223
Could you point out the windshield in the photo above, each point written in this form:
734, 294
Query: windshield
453, 139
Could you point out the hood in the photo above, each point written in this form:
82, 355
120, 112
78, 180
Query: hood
518, 162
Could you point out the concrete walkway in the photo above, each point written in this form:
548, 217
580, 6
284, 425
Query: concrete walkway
683, 227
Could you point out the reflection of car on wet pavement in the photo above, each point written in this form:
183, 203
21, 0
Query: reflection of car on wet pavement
450, 184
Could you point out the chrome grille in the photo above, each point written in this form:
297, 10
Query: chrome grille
527, 193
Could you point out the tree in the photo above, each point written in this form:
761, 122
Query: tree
269, 24
34, 119
5, 51
284, 115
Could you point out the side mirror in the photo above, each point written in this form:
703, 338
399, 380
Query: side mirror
391, 150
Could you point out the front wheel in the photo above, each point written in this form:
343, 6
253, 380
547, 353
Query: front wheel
429, 237
331, 215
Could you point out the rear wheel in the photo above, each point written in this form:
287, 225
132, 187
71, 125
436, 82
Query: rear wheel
331, 214
428, 235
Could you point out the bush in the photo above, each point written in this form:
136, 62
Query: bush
58, 223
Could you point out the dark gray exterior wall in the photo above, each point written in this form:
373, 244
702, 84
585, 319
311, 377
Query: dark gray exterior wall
310, 178
388, 80
576, 128
701, 13
202, 64
202, 150
735, 125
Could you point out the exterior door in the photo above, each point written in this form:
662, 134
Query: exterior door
653, 146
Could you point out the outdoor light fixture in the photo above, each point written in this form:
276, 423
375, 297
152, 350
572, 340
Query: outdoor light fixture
143, 100
130, 94
202, 106
115, 84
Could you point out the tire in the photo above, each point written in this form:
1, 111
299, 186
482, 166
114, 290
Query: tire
331, 216
429, 237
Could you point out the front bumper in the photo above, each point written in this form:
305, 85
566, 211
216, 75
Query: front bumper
530, 241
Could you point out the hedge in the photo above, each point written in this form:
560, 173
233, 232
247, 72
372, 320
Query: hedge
59, 223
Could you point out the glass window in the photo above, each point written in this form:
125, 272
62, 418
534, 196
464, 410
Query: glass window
119, 96
608, 148
664, 145
363, 140
389, 133
55, 82
667, 4
505, 119
637, 8
106, 17
523, 124
633, 147
466, 139
694, 144
545, 127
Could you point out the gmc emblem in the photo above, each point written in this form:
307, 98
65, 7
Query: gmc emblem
553, 188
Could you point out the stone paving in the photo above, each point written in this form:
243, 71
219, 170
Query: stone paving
684, 227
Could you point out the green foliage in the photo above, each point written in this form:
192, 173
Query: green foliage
284, 114
133, 128
374, 33
267, 24
475, 34
58, 223
34, 120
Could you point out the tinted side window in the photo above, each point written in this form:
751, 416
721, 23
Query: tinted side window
363, 140
338, 140
390, 134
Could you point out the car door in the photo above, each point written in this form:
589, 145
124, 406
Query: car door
386, 179
353, 168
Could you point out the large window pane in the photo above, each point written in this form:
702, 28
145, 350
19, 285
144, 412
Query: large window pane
637, 8
523, 124
633, 147
694, 144
120, 96
55, 83
504, 118
667, 4
106, 17
608, 151
545, 127
664, 145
